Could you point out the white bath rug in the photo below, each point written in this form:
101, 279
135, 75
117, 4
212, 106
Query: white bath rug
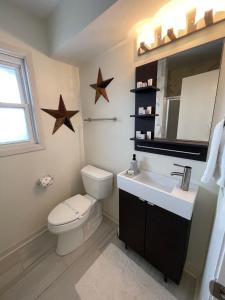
114, 276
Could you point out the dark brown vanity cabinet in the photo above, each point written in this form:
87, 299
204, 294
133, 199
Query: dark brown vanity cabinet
166, 241
132, 213
155, 233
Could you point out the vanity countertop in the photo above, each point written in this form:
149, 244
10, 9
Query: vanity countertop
161, 190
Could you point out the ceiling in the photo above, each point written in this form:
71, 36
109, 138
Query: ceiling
109, 29
39, 8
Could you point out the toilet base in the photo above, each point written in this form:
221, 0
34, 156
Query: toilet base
71, 240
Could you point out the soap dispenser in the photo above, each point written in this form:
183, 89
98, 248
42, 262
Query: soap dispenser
133, 165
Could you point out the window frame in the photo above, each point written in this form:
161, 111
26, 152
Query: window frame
22, 62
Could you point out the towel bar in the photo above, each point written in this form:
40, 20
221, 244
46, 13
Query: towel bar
101, 119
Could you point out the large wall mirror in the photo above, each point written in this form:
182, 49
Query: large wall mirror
184, 103
188, 84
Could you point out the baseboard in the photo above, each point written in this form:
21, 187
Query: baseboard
192, 270
23, 243
197, 289
196, 274
111, 218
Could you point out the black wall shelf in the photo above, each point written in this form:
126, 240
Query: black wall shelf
169, 142
146, 89
189, 150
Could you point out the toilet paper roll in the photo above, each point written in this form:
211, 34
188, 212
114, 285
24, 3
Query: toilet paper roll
45, 181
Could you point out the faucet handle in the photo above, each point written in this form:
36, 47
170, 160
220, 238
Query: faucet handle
186, 167
177, 165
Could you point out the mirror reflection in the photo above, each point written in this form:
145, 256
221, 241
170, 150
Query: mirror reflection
188, 84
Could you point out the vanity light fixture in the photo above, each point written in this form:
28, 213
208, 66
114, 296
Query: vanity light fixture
178, 19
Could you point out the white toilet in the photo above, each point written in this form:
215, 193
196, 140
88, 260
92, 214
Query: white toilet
76, 218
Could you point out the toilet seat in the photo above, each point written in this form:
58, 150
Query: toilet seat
69, 211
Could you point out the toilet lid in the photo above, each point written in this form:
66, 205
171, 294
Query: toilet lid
69, 210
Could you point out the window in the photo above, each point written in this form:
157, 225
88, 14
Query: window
18, 125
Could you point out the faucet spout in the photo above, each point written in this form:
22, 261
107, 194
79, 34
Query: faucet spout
186, 176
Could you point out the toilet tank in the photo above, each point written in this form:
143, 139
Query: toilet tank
98, 183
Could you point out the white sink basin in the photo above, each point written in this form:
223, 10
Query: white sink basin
157, 181
160, 190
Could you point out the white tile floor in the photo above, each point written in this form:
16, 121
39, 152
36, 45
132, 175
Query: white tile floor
54, 277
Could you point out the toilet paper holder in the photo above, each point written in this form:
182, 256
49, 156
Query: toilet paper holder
45, 181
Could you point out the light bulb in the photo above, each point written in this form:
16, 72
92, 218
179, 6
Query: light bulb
146, 35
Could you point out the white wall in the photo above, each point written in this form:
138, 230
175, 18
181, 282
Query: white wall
24, 206
107, 144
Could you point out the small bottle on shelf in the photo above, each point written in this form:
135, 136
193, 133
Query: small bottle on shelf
149, 135
150, 82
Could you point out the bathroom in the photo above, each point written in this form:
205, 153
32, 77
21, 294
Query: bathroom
64, 52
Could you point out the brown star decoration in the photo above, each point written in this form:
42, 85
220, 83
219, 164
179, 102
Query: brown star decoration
100, 87
62, 115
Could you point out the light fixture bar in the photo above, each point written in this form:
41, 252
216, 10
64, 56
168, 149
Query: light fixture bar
171, 29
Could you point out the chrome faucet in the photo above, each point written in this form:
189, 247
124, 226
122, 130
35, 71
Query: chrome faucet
186, 176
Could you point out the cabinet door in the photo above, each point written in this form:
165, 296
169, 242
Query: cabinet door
166, 244
132, 218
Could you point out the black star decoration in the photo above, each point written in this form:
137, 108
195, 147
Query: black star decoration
100, 86
62, 115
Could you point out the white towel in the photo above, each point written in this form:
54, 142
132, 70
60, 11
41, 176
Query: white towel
220, 168
215, 168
